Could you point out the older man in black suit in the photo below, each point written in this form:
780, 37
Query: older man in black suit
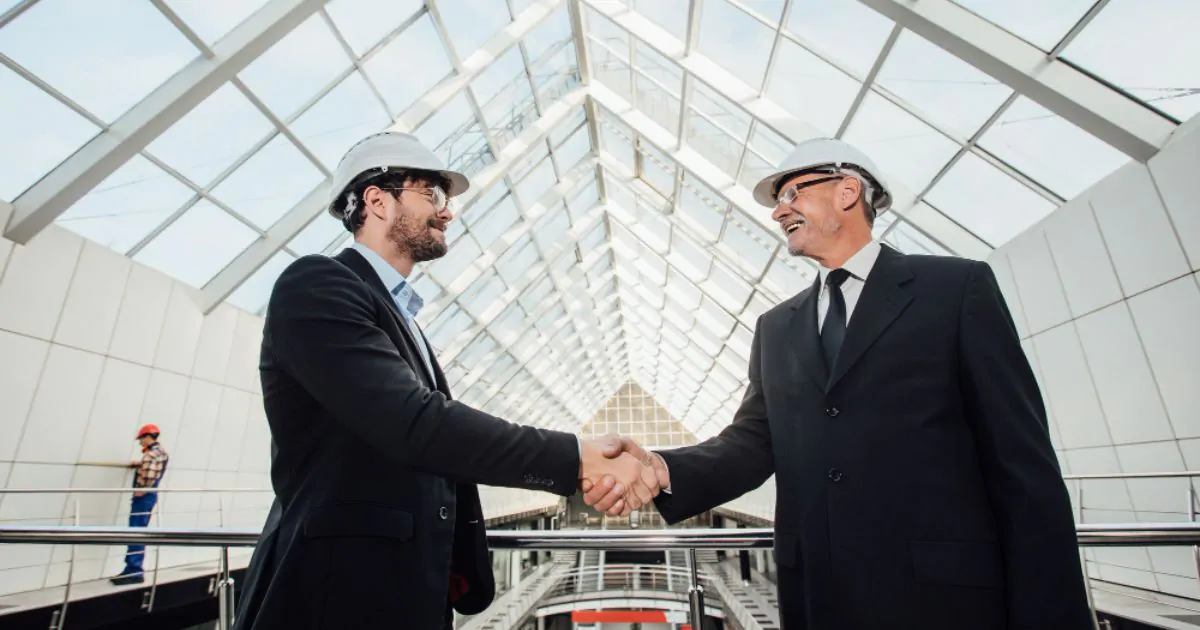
916, 483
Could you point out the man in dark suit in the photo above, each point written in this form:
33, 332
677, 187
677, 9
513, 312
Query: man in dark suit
377, 521
916, 484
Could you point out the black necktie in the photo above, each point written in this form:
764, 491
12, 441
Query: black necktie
834, 329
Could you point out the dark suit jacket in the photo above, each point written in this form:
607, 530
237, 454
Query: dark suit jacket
916, 483
376, 466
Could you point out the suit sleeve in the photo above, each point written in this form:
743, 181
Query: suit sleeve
728, 465
1004, 404
321, 326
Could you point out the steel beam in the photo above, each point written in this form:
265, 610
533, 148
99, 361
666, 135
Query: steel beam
1079, 98
296, 219
104, 154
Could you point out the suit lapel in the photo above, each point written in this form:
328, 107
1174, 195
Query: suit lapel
883, 299
360, 266
808, 346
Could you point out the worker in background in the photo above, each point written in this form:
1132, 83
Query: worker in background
150, 470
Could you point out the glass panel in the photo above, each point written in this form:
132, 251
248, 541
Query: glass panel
573, 150
670, 15
467, 34
253, 294
1008, 208
953, 93
499, 74
907, 239
208, 139
127, 205
270, 183
455, 136
104, 60
550, 231
347, 114
1051, 150
735, 41
845, 31
197, 245
749, 246
767, 151
317, 235
704, 215
365, 22
455, 262
531, 189
909, 151
1054, 19
296, 68
549, 37
810, 88
1159, 30
616, 139
495, 223
398, 78
517, 260
46, 130
482, 294
213, 19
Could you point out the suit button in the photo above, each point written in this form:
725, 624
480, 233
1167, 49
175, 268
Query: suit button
835, 475
832, 412
443, 513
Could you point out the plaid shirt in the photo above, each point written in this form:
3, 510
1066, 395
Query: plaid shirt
154, 464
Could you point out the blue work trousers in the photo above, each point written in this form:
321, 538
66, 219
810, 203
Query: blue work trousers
139, 516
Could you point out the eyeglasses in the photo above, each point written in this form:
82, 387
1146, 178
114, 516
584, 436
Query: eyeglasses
435, 195
789, 194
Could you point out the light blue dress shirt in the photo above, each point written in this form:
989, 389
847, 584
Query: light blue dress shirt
407, 300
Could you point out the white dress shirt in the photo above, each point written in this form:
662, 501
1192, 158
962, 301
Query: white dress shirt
859, 265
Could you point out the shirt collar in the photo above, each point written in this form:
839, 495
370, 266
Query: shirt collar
396, 284
859, 265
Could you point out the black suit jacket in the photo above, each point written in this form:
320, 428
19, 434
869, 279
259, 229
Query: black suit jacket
376, 466
916, 483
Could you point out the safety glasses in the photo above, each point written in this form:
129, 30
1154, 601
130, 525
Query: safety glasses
789, 194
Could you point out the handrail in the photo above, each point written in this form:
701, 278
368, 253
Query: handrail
1089, 535
1078, 477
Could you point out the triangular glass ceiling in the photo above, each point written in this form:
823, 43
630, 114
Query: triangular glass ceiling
610, 233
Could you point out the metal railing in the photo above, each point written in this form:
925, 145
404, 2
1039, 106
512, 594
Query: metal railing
1097, 535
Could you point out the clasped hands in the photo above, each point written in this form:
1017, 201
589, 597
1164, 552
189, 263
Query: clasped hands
617, 476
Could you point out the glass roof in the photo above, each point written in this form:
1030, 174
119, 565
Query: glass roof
609, 234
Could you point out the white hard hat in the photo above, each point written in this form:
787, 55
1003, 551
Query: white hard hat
830, 155
389, 150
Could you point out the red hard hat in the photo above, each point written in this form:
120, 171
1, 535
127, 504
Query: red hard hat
147, 429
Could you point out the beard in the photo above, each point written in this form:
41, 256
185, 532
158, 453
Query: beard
415, 237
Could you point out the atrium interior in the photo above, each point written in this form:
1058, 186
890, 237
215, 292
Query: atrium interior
166, 160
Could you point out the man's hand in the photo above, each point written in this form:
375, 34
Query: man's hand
605, 494
620, 474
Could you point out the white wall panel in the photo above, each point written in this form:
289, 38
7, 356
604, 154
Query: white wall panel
1166, 318
141, 317
93, 300
1069, 390
1088, 279
180, 333
1141, 241
35, 283
1174, 172
1002, 268
1037, 282
114, 419
21, 362
216, 340
59, 415
1126, 388
1121, 372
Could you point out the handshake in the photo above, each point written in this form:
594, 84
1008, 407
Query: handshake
617, 476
